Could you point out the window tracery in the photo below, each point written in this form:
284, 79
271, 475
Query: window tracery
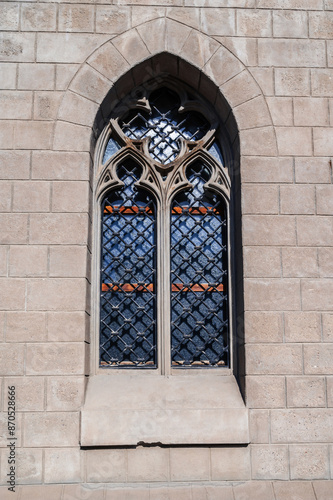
164, 195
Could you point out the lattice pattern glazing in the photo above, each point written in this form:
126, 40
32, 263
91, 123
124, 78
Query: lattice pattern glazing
199, 309
128, 323
164, 126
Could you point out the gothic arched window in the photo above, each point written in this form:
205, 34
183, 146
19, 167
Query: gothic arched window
163, 192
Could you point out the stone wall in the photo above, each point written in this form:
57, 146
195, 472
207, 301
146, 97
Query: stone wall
272, 61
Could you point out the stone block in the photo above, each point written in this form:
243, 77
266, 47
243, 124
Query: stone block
318, 359
302, 425
245, 49
199, 48
218, 21
33, 134
302, 327
29, 392
310, 112
56, 294
78, 109
306, 392
254, 23
67, 326
294, 141
14, 228
257, 169
290, 24
140, 13
25, 327
272, 295
323, 489
57, 429
55, 165
239, 89
299, 262
65, 393
7, 134
64, 75
269, 462
71, 137
76, 18
265, 392
112, 19
291, 53
265, 79
55, 359
9, 17
176, 35
148, 464
189, 464
2, 330
83, 492
12, 294
259, 490
38, 17
268, 230
262, 327
67, 47
321, 25
314, 231
46, 105
261, 199
63, 465
274, 359
36, 76
70, 196
325, 262
327, 327
68, 261
17, 47
222, 66
153, 35
131, 46
329, 381
8, 75
3, 260
322, 141
312, 170
292, 81
309, 462
58, 229
324, 200
290, 4
5, 196
11, 359
106, 466
190, 17
317, 295
281, 109
31, 196
4, 430
251, 144
322, 82
295, 490
259, 426
253, 113
90, 84
15, 105
262, 262
230, 463
29, 468
101, 62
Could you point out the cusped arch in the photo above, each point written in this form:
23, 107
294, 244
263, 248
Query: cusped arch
152, 50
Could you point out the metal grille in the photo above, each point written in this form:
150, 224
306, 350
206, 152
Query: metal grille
128, 289
164, 125
199, 309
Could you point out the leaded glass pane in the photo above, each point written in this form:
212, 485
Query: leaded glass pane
128, 275
215, 151
164, 126
111, 148
199, 309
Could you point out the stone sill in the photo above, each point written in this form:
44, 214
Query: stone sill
131, 409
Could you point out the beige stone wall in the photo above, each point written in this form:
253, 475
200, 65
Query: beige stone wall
272, 60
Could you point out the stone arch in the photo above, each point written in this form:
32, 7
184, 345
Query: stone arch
204, 63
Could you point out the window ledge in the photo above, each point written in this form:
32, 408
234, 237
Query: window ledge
132, 409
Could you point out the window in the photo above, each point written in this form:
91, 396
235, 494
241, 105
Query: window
164, 193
